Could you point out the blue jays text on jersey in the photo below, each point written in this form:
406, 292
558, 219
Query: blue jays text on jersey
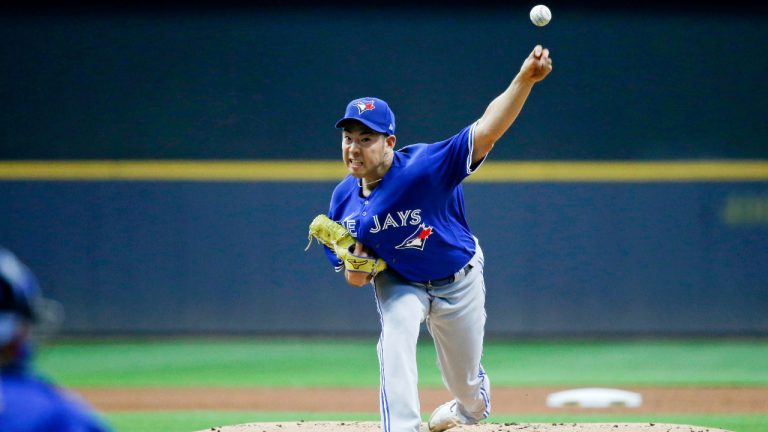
414, 219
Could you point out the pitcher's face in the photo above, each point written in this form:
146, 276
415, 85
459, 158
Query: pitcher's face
366, 153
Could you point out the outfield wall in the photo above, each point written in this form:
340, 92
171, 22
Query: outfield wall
228, 257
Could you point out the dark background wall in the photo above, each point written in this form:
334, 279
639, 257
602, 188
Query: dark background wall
653, 82
573, 259
657, 82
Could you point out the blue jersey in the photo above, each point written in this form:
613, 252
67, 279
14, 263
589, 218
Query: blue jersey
30, 404
414, 219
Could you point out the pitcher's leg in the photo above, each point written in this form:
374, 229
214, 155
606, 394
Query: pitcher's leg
402, 309
457, 325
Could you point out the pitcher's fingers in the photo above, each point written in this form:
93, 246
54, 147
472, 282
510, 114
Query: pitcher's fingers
358, 248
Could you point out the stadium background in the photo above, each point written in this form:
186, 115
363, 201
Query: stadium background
601, 255
101, 103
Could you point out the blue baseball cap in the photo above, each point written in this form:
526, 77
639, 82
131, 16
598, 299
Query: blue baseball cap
18, 291
372, 112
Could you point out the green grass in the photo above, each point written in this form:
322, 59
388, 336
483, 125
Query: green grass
183, 421
240, 363
353, 363
646, 363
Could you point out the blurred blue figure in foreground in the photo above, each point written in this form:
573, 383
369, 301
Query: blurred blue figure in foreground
29, 403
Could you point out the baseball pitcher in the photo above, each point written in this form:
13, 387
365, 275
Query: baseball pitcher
397, 221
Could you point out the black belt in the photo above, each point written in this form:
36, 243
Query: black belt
449, 280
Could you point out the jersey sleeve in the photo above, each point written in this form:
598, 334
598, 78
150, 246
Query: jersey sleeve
452, 158
333, 259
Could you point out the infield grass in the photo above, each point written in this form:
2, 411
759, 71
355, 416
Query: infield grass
353, 363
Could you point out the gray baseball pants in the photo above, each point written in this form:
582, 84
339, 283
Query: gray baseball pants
455, 317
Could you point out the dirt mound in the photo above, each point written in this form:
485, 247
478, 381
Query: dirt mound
487, 427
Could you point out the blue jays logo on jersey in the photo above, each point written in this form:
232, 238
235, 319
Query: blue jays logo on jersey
364, 105
418, 239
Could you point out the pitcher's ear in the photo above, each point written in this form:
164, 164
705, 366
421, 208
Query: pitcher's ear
391, 141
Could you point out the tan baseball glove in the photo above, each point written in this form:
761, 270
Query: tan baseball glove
341, 242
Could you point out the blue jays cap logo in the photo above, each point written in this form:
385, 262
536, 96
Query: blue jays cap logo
364, 105
372, 112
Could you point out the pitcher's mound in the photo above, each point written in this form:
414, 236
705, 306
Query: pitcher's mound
486, 427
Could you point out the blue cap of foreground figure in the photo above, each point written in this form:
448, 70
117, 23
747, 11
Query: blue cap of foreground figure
18, 287
372, 112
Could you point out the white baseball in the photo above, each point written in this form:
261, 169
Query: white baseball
540, 15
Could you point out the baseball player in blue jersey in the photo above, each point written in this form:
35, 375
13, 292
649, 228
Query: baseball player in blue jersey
406, 207
29, 403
